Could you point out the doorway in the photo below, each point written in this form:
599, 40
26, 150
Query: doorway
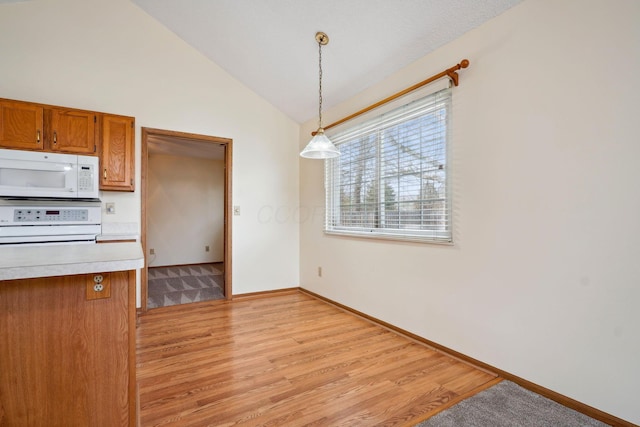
194, 151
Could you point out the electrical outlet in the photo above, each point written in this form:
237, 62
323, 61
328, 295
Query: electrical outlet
152, 251
98, 286
319, 271
206, 248
110, 208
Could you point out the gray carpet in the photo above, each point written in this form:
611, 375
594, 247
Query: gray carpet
184, 284
506, 404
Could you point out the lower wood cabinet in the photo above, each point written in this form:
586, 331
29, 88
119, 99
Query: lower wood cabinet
67, 350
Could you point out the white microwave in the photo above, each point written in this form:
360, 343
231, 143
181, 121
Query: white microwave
53, 175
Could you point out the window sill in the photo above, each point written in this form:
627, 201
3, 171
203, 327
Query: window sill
376, 235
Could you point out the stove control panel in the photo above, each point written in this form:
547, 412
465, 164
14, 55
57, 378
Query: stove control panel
49, 215
28, 215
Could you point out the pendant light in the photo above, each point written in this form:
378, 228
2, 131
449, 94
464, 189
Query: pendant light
320, 146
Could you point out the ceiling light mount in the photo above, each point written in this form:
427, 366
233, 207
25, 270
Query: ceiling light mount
322, 38
320, 146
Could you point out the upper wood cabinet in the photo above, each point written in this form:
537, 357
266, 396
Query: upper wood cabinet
72, 131
21, 125
31, 126
117, 157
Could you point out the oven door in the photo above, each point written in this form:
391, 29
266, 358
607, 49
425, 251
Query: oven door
47, 240
48, 234
34, 174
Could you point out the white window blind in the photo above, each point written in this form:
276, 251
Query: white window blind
391, 179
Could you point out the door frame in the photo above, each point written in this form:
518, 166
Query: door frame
228, 210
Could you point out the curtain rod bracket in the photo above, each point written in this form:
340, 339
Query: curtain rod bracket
453, 76
452, 72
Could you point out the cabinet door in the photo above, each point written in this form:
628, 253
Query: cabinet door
117, 153
72, 131
21, 125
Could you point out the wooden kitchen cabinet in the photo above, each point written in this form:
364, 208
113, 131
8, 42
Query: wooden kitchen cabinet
71, 130
117, 161
31, 126
21, 125
67, 353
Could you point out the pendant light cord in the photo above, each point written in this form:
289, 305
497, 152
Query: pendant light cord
320, 85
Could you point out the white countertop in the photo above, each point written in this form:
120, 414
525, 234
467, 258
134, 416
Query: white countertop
118, 231
111, 237
24, 262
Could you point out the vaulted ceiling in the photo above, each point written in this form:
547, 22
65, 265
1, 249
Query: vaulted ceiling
270, 46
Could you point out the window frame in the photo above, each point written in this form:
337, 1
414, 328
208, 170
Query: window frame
441, 99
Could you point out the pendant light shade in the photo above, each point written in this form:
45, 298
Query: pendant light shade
320, 146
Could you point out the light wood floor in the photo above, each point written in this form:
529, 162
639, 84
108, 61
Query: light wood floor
288, 359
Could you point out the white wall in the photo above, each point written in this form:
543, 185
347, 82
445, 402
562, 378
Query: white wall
185, 210
110, 56
543, 279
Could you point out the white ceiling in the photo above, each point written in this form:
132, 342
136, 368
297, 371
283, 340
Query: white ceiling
270, 46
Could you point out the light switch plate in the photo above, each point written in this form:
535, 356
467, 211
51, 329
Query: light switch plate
236, 210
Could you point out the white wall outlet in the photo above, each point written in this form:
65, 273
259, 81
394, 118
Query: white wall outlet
236, 210
110, 208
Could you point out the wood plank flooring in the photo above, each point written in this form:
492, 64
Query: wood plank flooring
288, 359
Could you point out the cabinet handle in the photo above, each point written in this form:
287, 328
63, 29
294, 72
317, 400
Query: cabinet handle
55, 137
38, 137
104, 174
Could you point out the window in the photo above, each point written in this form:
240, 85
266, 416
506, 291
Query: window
391, 179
